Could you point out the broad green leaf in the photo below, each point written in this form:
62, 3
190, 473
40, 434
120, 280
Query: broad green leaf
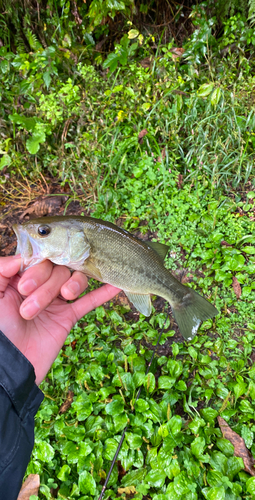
115, 407
156, 478
249, 250
87, 483
215, 493
247, 435
165, 382
250, 485
225, 446
182, 484
64, 473
149, 382
192, 352
43, 451
47, 78
134, 440
110, 448
215, 97
141, 405
174, 425
205, 89
5, 161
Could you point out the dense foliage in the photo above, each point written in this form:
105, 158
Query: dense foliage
74, 113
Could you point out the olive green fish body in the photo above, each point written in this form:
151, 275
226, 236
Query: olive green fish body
112, 255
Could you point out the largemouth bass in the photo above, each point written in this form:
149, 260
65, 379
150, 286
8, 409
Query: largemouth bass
112, 255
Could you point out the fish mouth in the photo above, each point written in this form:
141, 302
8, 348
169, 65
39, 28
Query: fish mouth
27, 247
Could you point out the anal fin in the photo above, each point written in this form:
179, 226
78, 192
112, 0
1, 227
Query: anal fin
141, 302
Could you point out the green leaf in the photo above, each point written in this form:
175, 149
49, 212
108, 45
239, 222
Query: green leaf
141, 405
47, 78
205, 89
110, 448
156, 478
249, 250
43, 451
87, 483
171, 494
250, 485
192, 352
5, 161
134, 477
215, 97
182, 483
166, 382
64, 473
215, 493
174, 425
149, 382
115, 407
174, 367
134, 440
33, 143
247, 435
225, 446
197, 447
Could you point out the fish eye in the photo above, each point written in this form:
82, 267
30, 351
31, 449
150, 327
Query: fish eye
44, 230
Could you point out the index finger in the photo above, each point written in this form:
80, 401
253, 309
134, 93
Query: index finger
93, 299
9, 266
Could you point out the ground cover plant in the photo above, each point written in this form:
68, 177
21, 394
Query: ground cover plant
161, 142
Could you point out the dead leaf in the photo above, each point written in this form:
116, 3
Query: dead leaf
178, 51
128, 490
146, 62
180, 181
67, 403
121, 299
239, 445
29, 487
121, 471
162, 156
225, 244
45, 206
237, 287
141, 135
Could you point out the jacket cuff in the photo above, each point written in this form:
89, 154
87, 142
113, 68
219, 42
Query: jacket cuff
17, 377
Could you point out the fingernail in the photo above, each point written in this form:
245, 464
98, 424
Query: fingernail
30, 309
27, 286
74, 287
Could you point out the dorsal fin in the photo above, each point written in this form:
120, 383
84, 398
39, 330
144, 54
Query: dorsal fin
159, 248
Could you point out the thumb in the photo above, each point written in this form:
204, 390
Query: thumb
9, 266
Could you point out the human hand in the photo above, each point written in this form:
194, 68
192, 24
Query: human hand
33, 316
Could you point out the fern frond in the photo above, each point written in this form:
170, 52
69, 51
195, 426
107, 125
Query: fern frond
32, 40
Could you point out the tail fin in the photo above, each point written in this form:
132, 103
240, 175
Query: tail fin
191, 312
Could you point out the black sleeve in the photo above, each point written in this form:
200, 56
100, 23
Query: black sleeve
20, 399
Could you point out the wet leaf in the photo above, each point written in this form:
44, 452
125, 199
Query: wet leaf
67, 403
29, 487
141, 135
237, 287
45, 206
240, 449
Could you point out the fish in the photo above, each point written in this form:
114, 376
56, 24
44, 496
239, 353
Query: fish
113, 255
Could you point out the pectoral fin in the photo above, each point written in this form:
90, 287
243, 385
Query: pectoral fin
141, 302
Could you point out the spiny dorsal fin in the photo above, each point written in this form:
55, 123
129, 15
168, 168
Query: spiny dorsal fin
159, 248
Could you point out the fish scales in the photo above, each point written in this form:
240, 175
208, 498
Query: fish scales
110, 254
